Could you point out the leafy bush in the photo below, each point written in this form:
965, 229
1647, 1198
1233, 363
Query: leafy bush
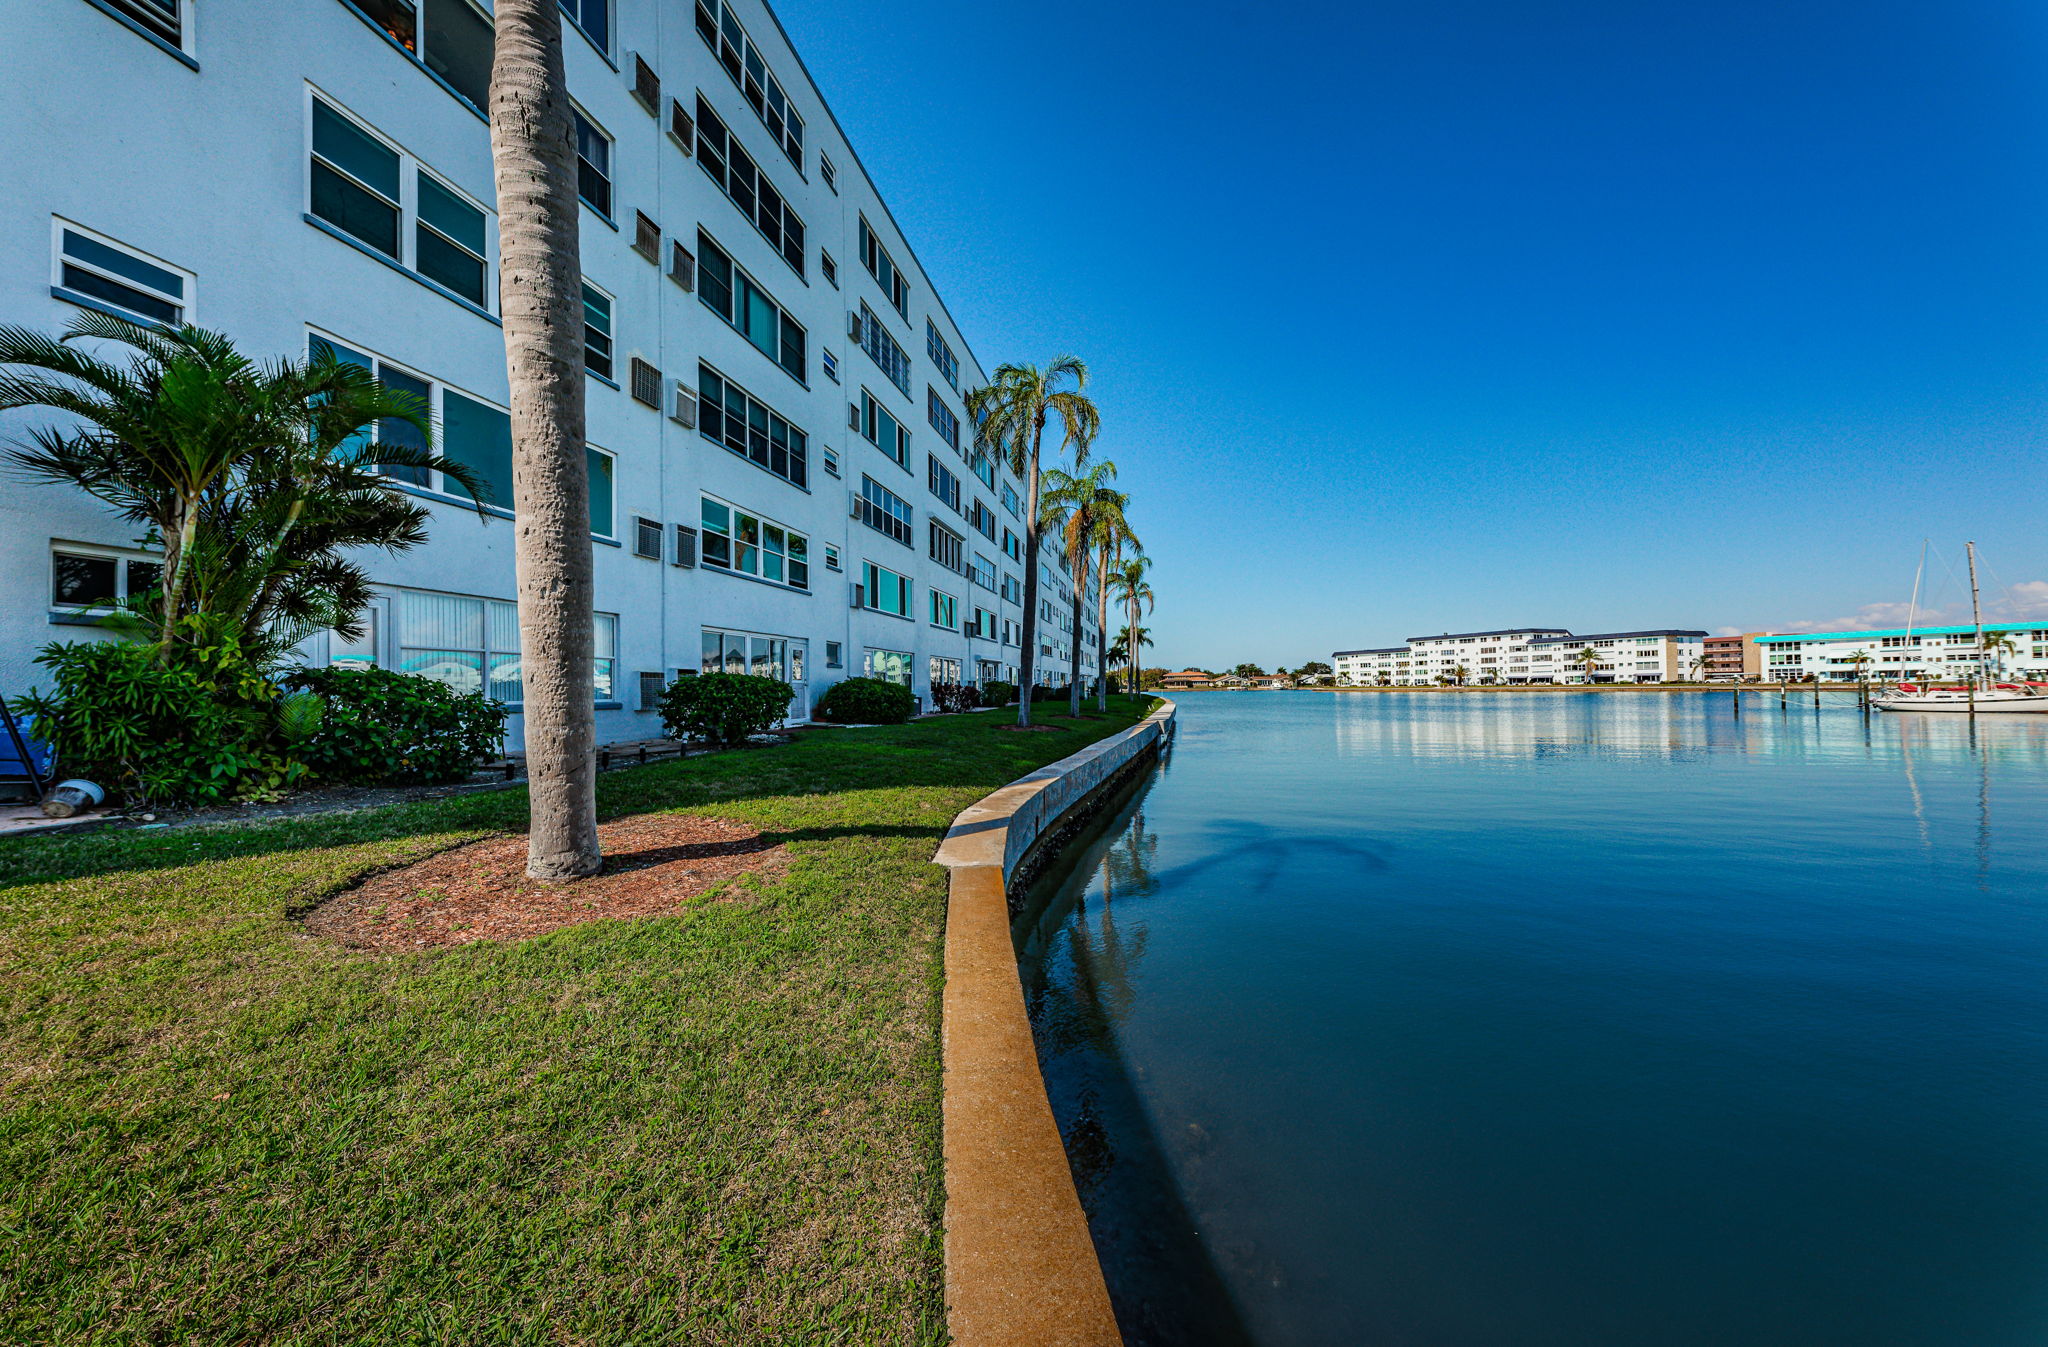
954, 697
182, 725
866, 701
396, 729
995, 692
724, 708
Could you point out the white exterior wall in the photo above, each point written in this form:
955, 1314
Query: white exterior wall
207, 169
1536, 655
1933, 653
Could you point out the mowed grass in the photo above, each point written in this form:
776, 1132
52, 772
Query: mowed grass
720, 1126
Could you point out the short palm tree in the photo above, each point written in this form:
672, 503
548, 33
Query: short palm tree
1010, 415
1127, 582
1997, 646
1859, 659
1587, 659
533, 159
255, 479
1090, 515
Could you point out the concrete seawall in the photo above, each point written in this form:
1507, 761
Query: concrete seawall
1021, 1269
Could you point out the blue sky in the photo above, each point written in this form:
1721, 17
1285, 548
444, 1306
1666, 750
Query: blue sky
1408, 318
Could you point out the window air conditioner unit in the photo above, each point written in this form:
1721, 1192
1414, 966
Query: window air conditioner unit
686, 545
855, 503
853, 327
685, 413
681, 127
859, 599
852, 417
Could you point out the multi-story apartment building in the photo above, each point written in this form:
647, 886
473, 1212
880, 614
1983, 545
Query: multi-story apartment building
784, 478
1523, 655
1923, 652
1667, 655
1733, 659
1425, 661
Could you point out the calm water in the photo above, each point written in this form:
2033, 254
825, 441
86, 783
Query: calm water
1505, 1020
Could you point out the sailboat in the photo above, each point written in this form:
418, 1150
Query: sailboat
1973, 696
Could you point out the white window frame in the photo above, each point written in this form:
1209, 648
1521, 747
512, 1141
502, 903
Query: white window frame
731, 567
410, 167
59, 226
120, 556
437, 390
951, 601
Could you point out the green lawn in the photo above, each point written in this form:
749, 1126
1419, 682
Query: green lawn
715, 1127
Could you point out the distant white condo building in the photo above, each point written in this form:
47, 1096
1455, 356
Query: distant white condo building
1926, 652
1525, 655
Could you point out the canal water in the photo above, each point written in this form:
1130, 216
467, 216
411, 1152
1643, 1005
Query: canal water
1561, 1020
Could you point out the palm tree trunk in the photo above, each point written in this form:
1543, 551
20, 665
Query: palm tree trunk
540, 293
1102, 631
1079, 563
1030, 633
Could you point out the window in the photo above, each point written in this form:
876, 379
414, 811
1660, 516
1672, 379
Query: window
599, 464
473, 644
93, 270
983, 519
727, 414
983, 572
832, 660
731, 539
593, 164
943, 483
941, 416
984, 626
738, 652
945, 612
360, 653
942, 356
985, 469
882, 348
831, 458
1010, 501
721, 31
158, 18
597, 331
1011, 547
356, 185
946, 547
83, 577
882, 267
1013, 589
651, 687
943, 669
891, 666
882, 430
594, 18
831, 557
473, 432
884, 511
730, 293
884, 591
720, 155
829, 266
451, 38
828, 173
830, 364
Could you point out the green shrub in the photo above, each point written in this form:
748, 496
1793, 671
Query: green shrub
954, 698
866, 701
724, 708
387, 728
995, 692
184, 725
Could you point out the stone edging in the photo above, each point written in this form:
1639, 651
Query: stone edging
1021, 1269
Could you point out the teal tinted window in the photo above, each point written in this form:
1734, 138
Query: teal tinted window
348, 147
600, 492
480, 438
451, 215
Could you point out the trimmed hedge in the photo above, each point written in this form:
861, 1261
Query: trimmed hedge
866, 701
725, 708
995, 692
385, 728
954, 697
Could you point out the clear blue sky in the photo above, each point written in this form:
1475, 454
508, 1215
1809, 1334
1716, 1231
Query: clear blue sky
1411, 317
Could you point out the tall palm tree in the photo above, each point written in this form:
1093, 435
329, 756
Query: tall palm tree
1113, 535
1089, 514
1127, 578
255, 478
533, 156
1010, 413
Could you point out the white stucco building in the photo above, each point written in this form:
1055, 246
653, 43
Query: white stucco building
782, 479
1525, 655
1924, 652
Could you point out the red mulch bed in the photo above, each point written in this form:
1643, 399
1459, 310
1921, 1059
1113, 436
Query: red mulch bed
653, 864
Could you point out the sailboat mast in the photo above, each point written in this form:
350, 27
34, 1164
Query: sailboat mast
1976, 613
1912, 660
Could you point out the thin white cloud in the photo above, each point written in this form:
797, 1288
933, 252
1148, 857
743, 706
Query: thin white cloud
2017, 603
